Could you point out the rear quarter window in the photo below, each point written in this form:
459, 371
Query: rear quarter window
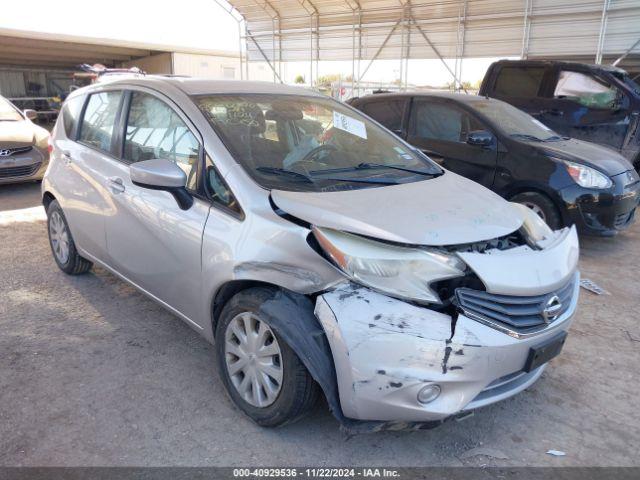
71, 114
514, 81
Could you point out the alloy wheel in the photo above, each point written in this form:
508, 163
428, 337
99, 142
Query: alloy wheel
253, 359
59, 237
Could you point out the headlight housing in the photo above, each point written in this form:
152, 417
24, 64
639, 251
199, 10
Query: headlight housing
535, 230
401, 272
586, 176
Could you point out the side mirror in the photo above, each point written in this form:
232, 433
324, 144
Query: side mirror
30, 114
480, 137
159, 174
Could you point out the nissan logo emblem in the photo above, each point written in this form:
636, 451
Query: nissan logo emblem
552, 309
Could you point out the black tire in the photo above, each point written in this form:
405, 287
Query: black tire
74, 264
545, 206
298, 391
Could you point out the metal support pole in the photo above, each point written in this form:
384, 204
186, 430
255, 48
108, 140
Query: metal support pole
311, 51
264, 56
603, 29
433, 47
624, 55
526, 28
384, 43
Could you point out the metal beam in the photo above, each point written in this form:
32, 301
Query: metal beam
603, 30
384, 43
435, 50
625, 54
526, 28
263, 55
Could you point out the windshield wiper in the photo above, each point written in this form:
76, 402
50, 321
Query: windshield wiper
556, 138
533, 138
381, 181
284, 171
369, 165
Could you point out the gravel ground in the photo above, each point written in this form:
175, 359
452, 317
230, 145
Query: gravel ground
93, 373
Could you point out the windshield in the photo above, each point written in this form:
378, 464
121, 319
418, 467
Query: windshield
8, 112
317, 144
513, 122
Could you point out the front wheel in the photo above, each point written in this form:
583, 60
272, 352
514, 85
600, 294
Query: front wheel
62, 244
542, 205
262, 374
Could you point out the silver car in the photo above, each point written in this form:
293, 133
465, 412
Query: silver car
318, 252
23, 145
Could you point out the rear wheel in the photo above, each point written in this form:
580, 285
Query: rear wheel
542, 205
262, 374
62, 244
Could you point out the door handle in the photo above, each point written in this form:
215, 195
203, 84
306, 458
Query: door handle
116, 184
553, 111
66, 157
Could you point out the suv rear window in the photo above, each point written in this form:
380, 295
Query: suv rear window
99, 120
388, 113
519, 81
71, 114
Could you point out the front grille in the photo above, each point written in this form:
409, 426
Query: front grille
622, 220
516, 313
6, 152
24, 171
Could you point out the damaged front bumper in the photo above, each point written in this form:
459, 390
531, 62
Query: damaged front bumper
386, 350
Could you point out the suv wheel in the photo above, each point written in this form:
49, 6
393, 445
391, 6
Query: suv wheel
62, 245
542, 206
262, 374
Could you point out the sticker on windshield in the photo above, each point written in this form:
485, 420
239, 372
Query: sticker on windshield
350, 125
540, 124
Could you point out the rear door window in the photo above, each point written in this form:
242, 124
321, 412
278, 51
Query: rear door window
516, 81
154, 130
586, 90
434, 121
389, 113
71, 114
98, 122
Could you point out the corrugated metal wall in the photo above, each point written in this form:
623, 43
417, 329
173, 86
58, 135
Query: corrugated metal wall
300, 30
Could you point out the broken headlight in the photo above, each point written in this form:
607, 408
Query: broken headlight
401, 272
533, 227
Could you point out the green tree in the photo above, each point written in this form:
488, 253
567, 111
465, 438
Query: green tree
299, 79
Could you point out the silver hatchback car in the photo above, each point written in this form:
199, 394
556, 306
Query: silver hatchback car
316, 250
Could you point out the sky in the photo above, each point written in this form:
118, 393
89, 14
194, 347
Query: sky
197, 24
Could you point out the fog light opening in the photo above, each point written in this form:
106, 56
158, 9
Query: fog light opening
428, 393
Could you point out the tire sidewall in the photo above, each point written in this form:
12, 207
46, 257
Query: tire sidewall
278, 412
54, 206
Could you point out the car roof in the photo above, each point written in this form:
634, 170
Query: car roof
456, 97
202, 86
561, 63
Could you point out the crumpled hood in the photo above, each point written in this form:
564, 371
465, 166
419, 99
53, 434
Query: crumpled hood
446, 210
16, 134
590, 154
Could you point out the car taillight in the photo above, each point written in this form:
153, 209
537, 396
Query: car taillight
50, 144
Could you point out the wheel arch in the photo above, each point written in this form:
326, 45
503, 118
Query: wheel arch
552, 195
302, 332
47, 198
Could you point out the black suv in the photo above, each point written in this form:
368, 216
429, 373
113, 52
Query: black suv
565, 181
597, 103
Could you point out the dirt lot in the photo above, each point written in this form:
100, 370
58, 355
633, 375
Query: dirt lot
93, 373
